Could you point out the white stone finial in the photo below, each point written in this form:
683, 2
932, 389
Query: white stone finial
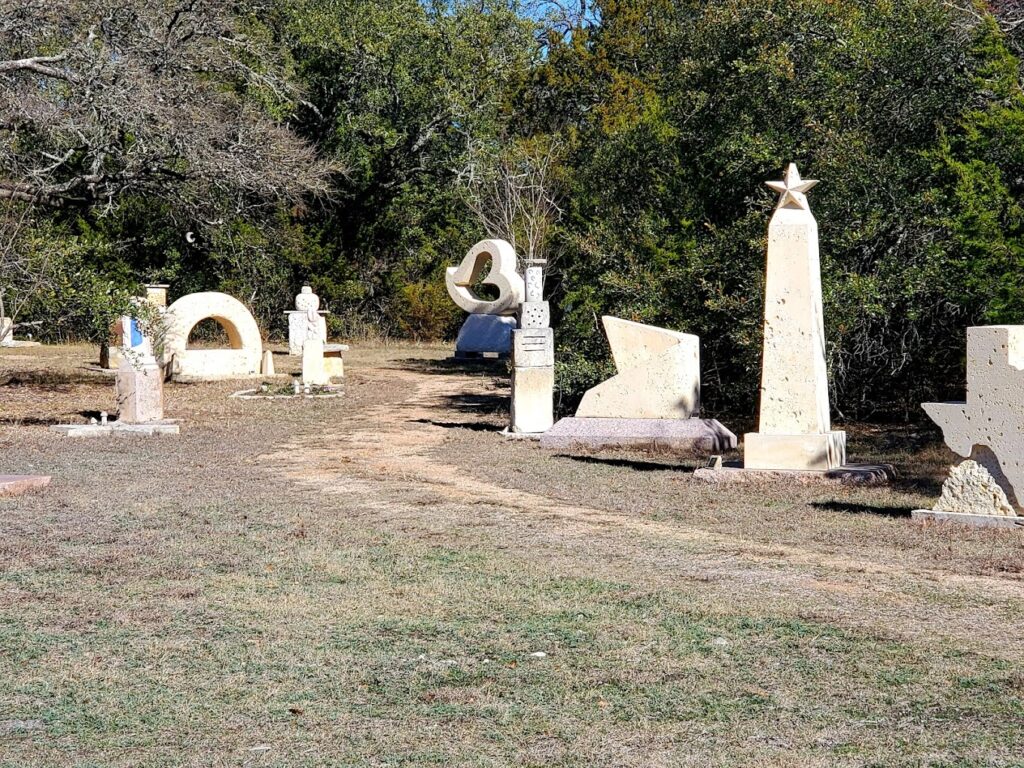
792, 189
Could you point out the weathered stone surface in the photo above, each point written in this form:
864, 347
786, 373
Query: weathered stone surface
483, 334
684, 437
533, 348
298, 320
658, 375
334, 360
989, 426
502, 274
313, 372
106, 430
532, 400
849, 474
815, 453
16, 485
971, 489
974, 521
794, 432
140, 392
268, 368
241, 360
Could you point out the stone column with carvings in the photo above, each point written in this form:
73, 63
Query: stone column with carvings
533, 360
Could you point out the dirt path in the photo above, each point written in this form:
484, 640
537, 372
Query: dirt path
391, 458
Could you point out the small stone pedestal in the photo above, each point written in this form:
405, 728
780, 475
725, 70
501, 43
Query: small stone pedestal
680, 437
140, 392
313, 372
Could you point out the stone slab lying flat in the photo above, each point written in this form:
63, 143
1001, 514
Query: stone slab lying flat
849, 474
675, 436
105, 430
976, 521
16, 485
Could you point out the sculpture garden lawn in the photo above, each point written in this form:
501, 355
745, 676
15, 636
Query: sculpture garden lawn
382, 579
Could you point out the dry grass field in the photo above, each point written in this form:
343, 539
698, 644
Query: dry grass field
383, 580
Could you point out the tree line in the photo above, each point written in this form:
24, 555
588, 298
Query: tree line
254, 145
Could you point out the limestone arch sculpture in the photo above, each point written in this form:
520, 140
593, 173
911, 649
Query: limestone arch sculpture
242, 359
503, 275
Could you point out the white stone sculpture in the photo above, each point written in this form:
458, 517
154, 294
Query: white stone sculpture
658, 374
241, 360
140, 378
988, 429
488, 329
795, 430
533, 361
299, 320
503, 275
652, 403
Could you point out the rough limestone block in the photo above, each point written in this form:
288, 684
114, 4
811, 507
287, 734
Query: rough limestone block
267, 368
989, 427
535, 314
502, 274
972, 490
313, 371
532, 399
794, 431
140, 393
679, 437
533, 348
812, 453
658, 375
485, 334
241, 360
334, 362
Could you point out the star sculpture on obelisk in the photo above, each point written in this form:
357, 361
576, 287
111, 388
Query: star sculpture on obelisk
792, 189
794, 431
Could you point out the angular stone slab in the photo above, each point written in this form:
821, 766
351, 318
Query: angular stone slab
975, 521
699, 437
16, 485
101, 430
848, 474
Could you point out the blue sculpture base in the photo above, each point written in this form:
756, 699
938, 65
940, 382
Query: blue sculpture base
485, 335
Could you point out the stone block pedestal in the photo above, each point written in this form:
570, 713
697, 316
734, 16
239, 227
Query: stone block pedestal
140, 393
679, 437
532, 404
799, 453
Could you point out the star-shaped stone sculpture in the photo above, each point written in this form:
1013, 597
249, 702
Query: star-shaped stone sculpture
792, 189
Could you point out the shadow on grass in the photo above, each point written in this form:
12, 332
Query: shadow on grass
451, 365
848, 508
476, 426
638, 465
483, 405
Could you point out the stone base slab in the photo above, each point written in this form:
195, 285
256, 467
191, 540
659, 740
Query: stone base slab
16, 485
676, 436
105, 430
802, 453
849, 474
976, 521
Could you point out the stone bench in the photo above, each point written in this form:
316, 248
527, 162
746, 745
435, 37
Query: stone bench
334, 363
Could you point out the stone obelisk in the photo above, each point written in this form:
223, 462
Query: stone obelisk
795, 431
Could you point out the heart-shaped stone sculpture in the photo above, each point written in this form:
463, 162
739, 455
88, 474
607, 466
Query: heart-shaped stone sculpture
503, 275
